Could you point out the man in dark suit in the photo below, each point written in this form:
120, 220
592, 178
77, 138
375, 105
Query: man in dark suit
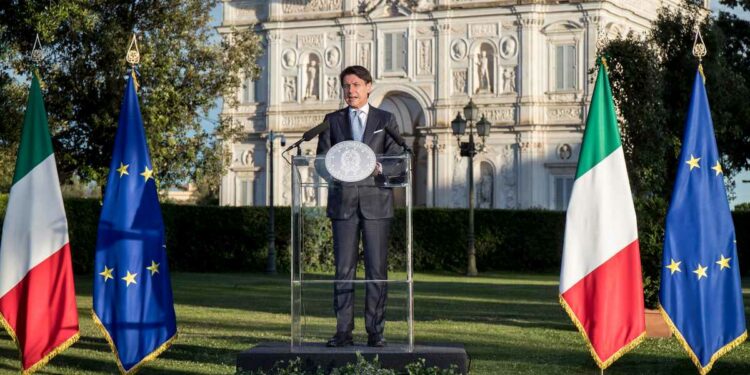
360, 208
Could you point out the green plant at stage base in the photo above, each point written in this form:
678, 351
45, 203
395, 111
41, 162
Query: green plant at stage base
361, 367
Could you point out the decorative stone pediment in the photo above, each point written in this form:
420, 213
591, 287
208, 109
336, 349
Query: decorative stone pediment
562, 27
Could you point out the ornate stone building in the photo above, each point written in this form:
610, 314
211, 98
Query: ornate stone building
524, 63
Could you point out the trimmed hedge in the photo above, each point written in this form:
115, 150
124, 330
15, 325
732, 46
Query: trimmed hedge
235, 239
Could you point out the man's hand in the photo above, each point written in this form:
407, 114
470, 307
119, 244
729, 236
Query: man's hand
378, 169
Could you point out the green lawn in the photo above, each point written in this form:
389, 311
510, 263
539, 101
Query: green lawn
510, 323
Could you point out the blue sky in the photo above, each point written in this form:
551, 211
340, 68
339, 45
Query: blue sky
742, 190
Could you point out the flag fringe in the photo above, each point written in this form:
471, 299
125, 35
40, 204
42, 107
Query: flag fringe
602, 364
44, 360
718, 354
143, 361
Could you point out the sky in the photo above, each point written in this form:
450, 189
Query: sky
742, 189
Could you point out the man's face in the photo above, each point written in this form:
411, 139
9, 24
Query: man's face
356, 90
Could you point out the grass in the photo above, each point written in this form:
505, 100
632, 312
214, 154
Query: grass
510, 323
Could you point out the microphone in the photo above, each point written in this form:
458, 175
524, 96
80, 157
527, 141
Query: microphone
397, 138
310, 134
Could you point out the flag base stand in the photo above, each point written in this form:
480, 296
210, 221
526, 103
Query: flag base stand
314, 355
656, 326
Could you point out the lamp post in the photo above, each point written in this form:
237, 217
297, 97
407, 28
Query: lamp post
271, 262
469, 149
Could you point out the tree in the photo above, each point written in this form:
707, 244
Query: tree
652, 82
183, 70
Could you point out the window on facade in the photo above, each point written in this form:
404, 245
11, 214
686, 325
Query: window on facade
563, 188
246, 192
248, 91
395, 52
565, 67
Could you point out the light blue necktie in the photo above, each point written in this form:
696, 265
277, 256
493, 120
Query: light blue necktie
359, 127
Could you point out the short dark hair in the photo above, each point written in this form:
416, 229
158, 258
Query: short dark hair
357, 70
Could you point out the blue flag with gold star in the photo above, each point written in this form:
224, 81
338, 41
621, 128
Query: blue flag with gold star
132, 291
700, 282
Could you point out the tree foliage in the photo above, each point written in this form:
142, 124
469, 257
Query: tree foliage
184, 68
652, 81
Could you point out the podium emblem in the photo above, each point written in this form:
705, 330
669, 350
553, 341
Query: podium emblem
350, 161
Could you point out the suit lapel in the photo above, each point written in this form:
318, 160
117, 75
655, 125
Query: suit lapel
372, 123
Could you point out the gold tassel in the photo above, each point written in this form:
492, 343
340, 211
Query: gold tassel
112, 346
702, 370
602, 364
44, 360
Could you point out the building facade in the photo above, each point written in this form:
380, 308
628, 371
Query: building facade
525, 63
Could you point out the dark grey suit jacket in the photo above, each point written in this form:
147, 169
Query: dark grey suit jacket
344, 198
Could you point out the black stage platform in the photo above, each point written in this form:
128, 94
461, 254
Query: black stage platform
394, 356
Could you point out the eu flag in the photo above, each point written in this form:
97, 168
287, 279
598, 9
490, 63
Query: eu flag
700, 282
132, 292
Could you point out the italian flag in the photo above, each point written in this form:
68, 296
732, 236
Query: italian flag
600, 280
37, 296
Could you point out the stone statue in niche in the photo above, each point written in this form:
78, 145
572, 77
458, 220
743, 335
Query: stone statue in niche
290, 89
509, 80
312, 78
332, 88
483, 73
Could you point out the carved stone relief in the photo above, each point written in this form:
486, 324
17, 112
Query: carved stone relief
564, 152
500, 115
458, 49
310, 41
288, 58
483, 29
246, 158
302, 6
300, 122
564, 114
332, 88
333, 57
363, 54
424, 65
459, 81
290, 89
509, 80
508, 47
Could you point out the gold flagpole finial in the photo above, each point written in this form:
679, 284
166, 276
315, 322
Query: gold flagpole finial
37, 55
133, 58
699, 50
134, 55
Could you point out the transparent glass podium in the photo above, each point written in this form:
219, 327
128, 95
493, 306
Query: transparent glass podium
312, 260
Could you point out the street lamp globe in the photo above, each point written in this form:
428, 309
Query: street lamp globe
483, 127
471, 111
459, 125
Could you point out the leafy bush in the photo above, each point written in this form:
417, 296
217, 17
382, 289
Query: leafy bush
361, 367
